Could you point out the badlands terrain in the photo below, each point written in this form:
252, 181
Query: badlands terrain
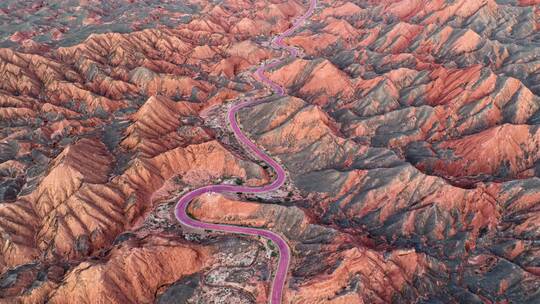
409, 133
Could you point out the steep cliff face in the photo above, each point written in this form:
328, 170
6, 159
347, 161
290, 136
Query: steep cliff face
409, 134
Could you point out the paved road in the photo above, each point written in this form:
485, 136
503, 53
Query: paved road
284, 252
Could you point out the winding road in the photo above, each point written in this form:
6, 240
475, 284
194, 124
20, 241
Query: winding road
278, 282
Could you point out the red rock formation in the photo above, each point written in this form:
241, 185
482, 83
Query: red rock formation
111, 281
508, 151
409, 136
323, 80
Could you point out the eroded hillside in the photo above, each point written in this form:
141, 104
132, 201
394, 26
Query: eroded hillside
409, 134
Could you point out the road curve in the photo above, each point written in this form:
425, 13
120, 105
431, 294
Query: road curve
278, 282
